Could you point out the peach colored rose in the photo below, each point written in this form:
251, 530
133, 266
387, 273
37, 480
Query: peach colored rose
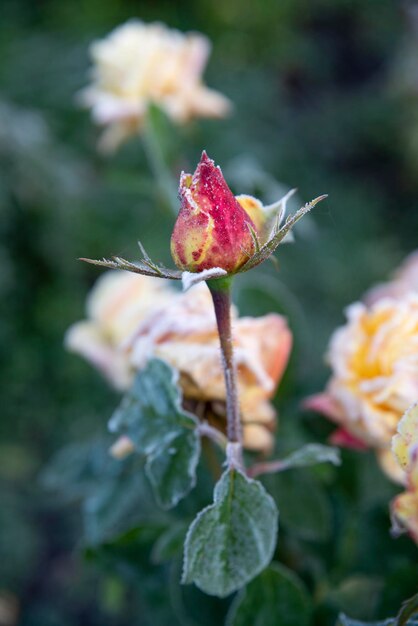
374, 361
405, 449
181, 329
185, 336
138, 64
116, 305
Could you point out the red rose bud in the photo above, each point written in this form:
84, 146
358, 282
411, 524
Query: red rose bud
212, 228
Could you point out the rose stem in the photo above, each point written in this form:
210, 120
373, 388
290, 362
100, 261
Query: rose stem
157, 164
221, 295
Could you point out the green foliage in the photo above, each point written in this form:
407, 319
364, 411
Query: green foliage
409, 609
233, 539
114, 494
150, 414
275, 597
311, 454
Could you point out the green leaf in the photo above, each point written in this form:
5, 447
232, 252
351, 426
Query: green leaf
276, 597
312, 454
137, 267
172, 471
409, 609
151, 415
233, 539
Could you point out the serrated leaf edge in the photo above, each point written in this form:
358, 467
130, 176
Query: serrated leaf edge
185, 579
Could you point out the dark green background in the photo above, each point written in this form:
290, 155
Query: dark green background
325, 101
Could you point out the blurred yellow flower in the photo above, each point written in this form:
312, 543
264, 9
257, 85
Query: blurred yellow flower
406, 438
374, 361
138, 64
116, 305
133, 318
405, 506
405, 448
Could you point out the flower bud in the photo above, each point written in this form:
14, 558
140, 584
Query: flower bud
212, 229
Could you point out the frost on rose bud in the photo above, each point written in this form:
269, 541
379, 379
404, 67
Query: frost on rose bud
212, 229
216, 235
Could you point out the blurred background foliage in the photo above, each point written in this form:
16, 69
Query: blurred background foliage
325, 97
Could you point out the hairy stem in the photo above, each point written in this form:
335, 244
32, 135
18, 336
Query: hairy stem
206, 430
269, 467
221, 296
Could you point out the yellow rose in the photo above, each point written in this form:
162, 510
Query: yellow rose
405, 506
133, 320
138, 64
374, 373
405, 449
406, 438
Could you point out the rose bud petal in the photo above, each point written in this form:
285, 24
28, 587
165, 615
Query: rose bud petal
212, 229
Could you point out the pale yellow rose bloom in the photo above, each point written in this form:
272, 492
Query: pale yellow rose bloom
138, 64
116, 305
405, 506
406, 438
405, 449
133, 318
374, 361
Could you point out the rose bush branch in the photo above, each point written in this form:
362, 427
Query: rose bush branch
215, 435
216, 236
310, 454
151, 141
221, 296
